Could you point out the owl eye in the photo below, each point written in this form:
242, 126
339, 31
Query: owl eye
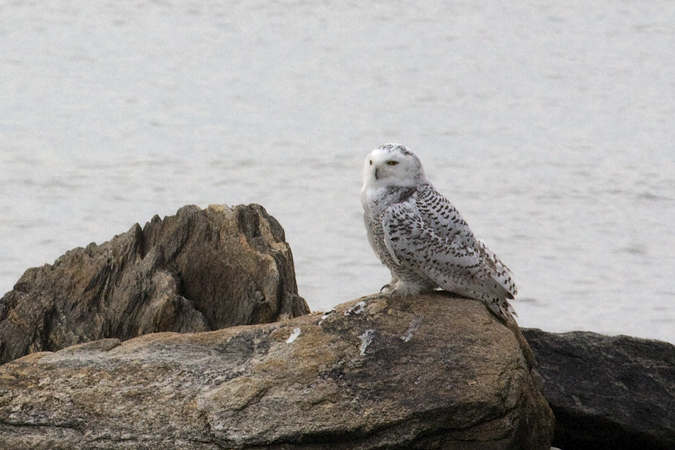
371, 162
392, 163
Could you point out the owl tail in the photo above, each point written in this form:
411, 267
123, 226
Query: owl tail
501, 308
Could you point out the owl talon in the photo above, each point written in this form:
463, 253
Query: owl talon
387, 289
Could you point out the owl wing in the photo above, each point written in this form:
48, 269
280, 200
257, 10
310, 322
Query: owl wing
444, 250
444, 219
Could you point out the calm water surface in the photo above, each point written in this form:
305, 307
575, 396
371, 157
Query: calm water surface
551, 127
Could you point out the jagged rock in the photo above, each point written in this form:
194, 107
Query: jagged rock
426, 372
607, 392
199, 270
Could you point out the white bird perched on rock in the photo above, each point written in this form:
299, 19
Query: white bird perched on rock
422, 238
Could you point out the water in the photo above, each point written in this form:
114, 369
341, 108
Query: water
550, 126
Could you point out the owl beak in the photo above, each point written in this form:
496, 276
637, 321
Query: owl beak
376, 177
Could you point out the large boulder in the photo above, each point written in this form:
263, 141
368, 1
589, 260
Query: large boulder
607, 392
427, 372
199, 270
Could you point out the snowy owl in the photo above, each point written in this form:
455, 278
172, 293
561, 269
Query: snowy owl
422, 238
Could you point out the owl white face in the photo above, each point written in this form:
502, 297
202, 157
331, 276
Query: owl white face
392, 165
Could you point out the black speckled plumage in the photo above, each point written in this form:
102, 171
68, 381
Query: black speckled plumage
423, 240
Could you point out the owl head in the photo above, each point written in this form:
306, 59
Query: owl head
392, 165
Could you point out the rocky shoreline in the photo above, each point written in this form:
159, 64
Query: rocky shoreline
189, 333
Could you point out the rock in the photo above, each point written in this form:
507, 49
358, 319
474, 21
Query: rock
199, 270
376, 373
607, 392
